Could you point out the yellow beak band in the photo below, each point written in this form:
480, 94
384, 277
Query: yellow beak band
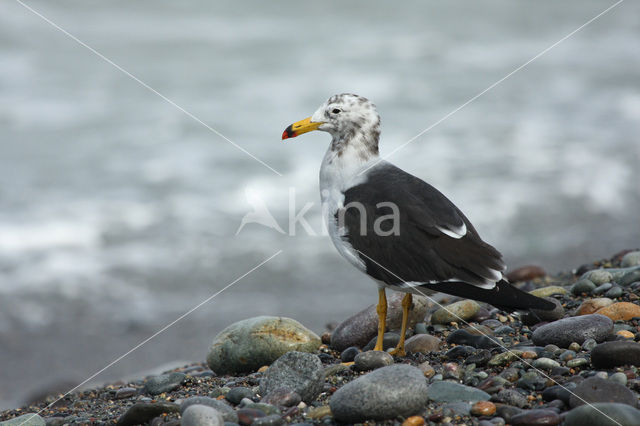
300, 127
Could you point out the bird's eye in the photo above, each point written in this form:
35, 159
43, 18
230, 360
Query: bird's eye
336, 111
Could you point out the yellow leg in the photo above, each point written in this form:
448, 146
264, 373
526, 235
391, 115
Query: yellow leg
407, 302
382, 318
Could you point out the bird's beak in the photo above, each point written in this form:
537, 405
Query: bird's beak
300, 127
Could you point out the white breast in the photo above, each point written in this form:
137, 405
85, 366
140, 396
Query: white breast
338, 174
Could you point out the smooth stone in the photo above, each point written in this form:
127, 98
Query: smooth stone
319, 412
385, 393
455, 312
479, 330
360, 328
597, 276
577, 362
483, 408
588, 345
270, 420
164, 383
545, 363
602, 288
422, 343
507, 411
629, 278
349, 354
459, 352
390, 340
582, 287
125, 392
141, 413
614, 292
451, 392
267, 409
249, 344
613, 354
283, 397
620, 311
565, 331
463, 337
536, 417
201, 415
31, 419
603, 414
237, 394
590, 306
227, 411
630, 259
371, 360
525, 273
414, 421
619, 378
535, 316
595, 389
548, 291
298, 371
421, 328
481, 357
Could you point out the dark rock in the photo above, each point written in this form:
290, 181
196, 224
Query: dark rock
164, 383
385, 393
511, 397
359, 329
459, 352
201, 415
247, 416
142, 413
595, 389
227, 412
507, 411
236, 394
349, 354
370, 360
536, 417
127, 392
389, 340
463, 337
479, 358
613, 354
574, 329
282, 397
582, 287
444, 391
422, 343
535, 316
603, 414
298, 371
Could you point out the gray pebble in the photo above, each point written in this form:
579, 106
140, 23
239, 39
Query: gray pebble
600, 414
227, 412
164, 383
595, 389
445, 391
385, 393
297, 371
371, 360
613, 292
271, 420
619, 378
201, 415
574, 329
31, 419
545, 363
237, 394
582, 286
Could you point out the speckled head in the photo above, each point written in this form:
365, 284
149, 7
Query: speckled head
347, 117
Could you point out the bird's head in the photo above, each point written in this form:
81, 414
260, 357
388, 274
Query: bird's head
344, 117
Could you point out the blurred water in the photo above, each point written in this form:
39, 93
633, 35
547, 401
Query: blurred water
118, 212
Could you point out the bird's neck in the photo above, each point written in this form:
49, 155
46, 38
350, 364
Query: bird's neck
345, 161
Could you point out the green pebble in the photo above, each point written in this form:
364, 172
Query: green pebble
582, 286
577, 362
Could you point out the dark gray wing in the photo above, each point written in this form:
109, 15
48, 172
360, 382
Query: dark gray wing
434, 241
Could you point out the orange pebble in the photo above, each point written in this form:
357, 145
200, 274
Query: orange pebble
263, 369
413, 421
483, 408
626, 334
621, 311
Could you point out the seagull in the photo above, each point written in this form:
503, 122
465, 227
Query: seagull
396, 228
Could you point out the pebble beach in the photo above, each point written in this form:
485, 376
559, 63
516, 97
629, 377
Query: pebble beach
467, 363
